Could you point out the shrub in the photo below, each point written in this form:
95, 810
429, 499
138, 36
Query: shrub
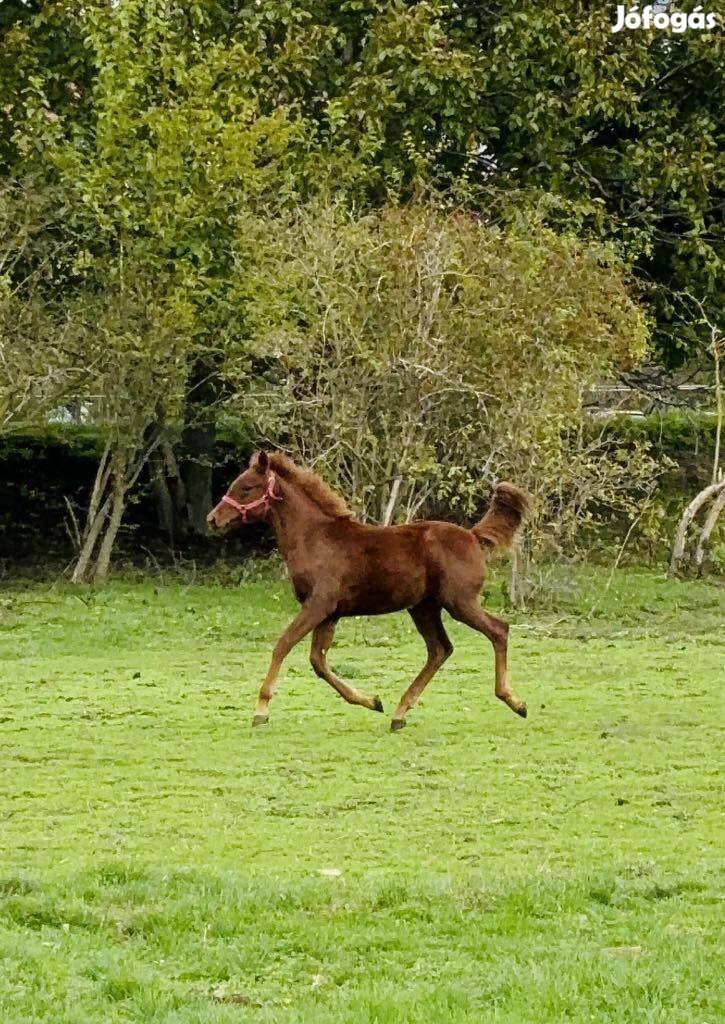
423, 355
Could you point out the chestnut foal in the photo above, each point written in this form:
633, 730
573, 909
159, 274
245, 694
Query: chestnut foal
340, 567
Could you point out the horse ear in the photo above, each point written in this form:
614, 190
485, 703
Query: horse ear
259, 461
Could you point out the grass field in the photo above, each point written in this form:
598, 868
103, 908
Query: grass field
162, 861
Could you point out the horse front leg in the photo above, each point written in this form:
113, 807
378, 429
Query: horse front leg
310, 615
321, 641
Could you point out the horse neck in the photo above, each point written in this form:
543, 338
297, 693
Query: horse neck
293, 518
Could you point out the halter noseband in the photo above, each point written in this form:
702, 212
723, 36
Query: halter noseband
265, 501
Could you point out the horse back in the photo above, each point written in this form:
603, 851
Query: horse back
376, 569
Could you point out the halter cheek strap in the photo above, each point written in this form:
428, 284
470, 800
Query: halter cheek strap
264, 502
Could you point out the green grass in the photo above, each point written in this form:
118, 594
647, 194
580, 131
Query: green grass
162, 861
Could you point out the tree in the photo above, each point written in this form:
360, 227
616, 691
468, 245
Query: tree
171, 152
163, 132
137, 349
712, 495
424, 354
625, 129
620, 132
40, 362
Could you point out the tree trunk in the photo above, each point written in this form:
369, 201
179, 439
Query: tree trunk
198, 439
93, 530
516, 596
169, 491
197, 478
175, 485
162, 495
678, 547
103, 473
103, 562
116, 475
716, 346
389, 511
708, 526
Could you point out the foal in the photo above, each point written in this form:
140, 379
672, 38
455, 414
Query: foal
340, 567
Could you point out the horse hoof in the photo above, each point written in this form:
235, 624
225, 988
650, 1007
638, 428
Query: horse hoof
377, 704
397, 724
260, 720
522, 711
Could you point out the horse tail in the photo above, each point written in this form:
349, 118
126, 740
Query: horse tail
509, 507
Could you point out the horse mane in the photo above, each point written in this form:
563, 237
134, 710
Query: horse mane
314, 486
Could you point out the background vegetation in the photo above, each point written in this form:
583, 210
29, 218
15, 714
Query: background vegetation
432, 227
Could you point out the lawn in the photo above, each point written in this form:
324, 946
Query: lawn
162, 861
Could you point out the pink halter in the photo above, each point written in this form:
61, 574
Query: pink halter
265, 501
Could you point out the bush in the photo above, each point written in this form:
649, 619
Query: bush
423, 355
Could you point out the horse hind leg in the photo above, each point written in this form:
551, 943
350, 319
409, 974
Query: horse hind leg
321, 641
427, 619
497, 632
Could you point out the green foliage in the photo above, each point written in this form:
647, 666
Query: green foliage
162, 861
623, 129
157, 148
677, 432
165, 156
683, 443
614, 134
438, 349
81, 442
38, 365
173, 150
